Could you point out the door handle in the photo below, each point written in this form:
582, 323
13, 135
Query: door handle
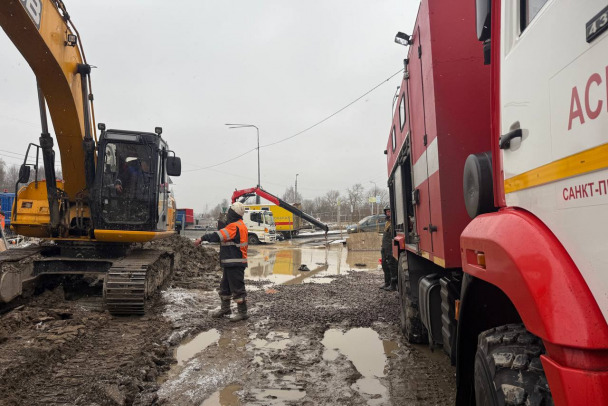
505, 140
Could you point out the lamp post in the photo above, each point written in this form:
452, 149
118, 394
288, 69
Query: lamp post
295, 197
234, 126
375, 193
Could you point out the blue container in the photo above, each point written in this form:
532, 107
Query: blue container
6, 206
180, 219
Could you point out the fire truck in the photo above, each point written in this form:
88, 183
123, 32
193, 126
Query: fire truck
498, 174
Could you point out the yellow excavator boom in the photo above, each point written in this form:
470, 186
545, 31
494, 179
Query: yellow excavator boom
43, 36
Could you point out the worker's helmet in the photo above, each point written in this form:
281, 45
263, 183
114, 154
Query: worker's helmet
387, 207
238, 208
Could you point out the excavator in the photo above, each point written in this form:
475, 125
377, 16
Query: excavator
115, 188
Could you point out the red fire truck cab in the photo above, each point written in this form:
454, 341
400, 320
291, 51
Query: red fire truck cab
498, 171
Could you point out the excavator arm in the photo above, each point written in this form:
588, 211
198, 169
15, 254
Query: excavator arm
42, 33
87, 205
279, 202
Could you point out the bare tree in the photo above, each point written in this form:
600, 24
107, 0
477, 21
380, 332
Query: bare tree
12, 176
331, 202
215, 212
382, 194
308, 206
290, 195
355, 198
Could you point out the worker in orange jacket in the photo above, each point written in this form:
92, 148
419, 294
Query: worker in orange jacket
233, 260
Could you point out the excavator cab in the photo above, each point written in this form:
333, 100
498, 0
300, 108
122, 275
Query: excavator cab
132, 178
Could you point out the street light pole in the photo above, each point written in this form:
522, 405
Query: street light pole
375, 193
234, 126
295, 198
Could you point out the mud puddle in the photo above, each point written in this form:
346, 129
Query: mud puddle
225, 397
370, 363
288, 264
323, 336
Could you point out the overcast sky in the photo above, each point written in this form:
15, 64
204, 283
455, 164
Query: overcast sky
192, 66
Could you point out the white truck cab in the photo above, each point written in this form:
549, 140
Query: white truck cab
261, 226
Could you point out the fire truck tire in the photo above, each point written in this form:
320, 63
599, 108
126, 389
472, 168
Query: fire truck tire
253, 239
508, 370
411, 324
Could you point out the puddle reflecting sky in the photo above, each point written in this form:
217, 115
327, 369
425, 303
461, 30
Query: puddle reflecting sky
282, 265
189, 349
368, 353
225, 397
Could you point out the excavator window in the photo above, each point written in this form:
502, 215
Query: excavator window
128, 180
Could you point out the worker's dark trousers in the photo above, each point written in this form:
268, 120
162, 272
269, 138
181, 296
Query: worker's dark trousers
389, 267
232, 285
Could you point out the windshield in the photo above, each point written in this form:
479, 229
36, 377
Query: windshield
269, 218
126, 183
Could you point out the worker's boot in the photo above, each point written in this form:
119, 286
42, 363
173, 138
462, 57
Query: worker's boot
223, 311
242, 312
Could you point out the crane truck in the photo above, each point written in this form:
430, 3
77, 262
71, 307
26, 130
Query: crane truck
115, 190
497, 163
243, 194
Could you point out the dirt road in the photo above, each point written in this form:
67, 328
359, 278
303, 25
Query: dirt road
327, 336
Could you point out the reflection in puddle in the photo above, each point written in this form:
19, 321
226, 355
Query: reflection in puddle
188, 350
280, 388
390, 347
224, 397
282, 266
370, 363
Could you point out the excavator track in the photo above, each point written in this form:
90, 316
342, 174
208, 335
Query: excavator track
132, 279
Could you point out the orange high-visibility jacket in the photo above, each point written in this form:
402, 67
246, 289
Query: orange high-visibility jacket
233, 244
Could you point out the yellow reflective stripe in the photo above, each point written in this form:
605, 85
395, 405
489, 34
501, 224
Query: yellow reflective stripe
578, 164
224, 235
234, 260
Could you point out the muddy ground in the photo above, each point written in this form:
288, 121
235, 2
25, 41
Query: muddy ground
327, 336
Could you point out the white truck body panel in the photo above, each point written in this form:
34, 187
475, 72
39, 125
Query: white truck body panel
551, 78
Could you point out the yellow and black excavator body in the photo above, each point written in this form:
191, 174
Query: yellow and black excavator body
115, 189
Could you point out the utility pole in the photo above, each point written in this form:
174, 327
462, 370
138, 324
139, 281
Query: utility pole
234, 126
295, 198
375, 193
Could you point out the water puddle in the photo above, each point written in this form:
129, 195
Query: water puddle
304, 264
368, 353
278, 396
225, 397
186, 351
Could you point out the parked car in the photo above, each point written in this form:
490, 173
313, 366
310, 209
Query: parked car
369, 223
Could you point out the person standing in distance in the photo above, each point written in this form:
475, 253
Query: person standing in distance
389, 264
233, 260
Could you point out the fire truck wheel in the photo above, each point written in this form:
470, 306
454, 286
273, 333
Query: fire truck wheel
253, 239
411, 324
508, 369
